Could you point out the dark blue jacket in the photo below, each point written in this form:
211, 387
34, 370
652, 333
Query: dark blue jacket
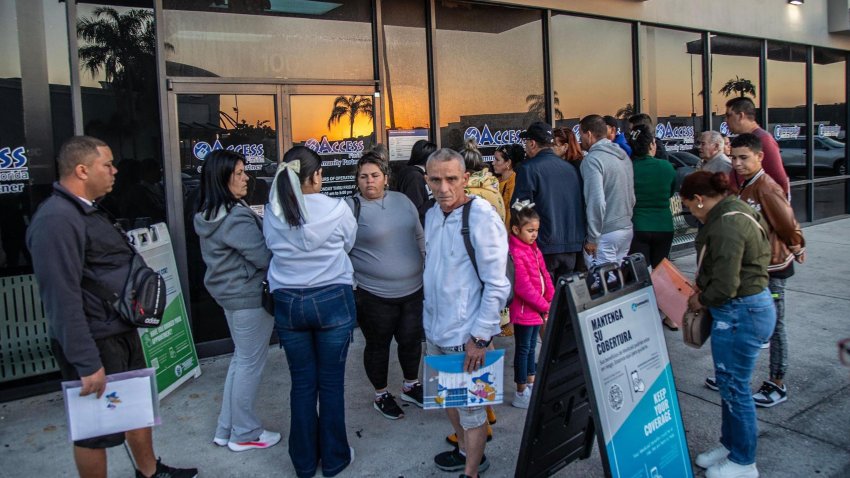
554, 186
620, 140
69, 240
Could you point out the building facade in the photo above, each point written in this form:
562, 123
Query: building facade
166, 81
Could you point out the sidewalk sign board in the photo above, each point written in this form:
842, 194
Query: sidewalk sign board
169, 348
559, 425
624, 356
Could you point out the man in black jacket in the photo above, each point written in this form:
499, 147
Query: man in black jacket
70, 239
554, 186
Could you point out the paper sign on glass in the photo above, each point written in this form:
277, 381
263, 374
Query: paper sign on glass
129, 402
446, 385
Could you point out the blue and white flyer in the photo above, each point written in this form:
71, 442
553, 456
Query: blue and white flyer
446, 385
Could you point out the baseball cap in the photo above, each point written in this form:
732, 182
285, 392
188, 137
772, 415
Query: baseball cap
538, 131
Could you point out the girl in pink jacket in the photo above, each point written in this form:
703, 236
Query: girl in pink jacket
533, 293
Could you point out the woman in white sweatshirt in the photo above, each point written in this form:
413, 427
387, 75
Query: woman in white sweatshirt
310, 235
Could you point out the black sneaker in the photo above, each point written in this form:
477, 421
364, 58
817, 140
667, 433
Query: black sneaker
414, 395
387, 406
454, 461
165, 471
770, 394
711, 382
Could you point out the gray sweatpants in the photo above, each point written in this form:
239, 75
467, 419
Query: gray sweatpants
251, 330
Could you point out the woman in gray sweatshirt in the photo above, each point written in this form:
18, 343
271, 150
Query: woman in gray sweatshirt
388, 259
237, 259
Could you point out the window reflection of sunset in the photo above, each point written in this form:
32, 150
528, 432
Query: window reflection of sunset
310, 115
252, 108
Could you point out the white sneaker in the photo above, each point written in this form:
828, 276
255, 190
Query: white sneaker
730, 469
220, 441
712, 457
522, 400
267, 439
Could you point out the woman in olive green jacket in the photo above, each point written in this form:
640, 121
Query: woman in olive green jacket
733, 253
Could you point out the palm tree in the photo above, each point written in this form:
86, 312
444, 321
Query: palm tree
351, 106
742, 86
626, 111
123, 47
537, 106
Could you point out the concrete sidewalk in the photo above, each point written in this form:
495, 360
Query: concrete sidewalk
809, 435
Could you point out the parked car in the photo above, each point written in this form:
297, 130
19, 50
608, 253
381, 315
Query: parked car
829, 155
684, 163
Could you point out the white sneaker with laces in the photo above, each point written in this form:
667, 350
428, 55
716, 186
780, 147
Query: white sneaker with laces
220, 441
522, 400
267, 439
730, 469
712, 457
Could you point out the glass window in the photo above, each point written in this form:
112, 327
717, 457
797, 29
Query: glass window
734, 73
120, 100
489, 71
297, 39
830, 128
576, 72
830, 199
34, 85
406, 68
671, 82
800, 202
786, 105
339, 128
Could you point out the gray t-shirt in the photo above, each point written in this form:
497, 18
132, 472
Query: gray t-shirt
389, 253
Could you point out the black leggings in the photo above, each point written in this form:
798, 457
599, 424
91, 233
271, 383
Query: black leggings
382, 319
654, 246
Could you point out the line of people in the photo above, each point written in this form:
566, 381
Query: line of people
555, 205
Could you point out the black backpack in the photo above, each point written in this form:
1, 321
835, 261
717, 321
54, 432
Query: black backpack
467, 241
141, 300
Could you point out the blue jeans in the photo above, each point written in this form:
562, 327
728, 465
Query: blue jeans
740, 326
779, 339
525, 337
315, 326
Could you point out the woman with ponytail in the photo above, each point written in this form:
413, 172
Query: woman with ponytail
311, 277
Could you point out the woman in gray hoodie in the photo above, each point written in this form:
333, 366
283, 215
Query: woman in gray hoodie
237, 259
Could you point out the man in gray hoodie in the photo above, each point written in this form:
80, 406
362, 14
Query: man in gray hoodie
609, 194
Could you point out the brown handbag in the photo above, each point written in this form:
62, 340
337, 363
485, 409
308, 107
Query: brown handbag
696, 325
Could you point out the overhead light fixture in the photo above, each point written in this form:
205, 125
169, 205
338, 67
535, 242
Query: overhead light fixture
796, 2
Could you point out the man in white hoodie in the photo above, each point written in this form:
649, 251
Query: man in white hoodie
461, 311
609, 194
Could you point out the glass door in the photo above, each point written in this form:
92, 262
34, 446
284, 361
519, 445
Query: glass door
260, 121
238, 118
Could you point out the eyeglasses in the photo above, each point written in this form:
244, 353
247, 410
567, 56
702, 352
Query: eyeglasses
844, 352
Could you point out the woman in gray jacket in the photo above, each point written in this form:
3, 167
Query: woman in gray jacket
237, 259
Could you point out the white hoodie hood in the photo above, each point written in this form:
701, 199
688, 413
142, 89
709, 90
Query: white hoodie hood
316, 253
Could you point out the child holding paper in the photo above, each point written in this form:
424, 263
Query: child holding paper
533, 293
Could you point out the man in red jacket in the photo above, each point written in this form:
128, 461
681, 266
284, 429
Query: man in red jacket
741, 118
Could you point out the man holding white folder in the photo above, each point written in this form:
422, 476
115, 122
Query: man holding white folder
70, 239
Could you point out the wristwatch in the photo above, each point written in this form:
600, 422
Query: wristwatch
481, 343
